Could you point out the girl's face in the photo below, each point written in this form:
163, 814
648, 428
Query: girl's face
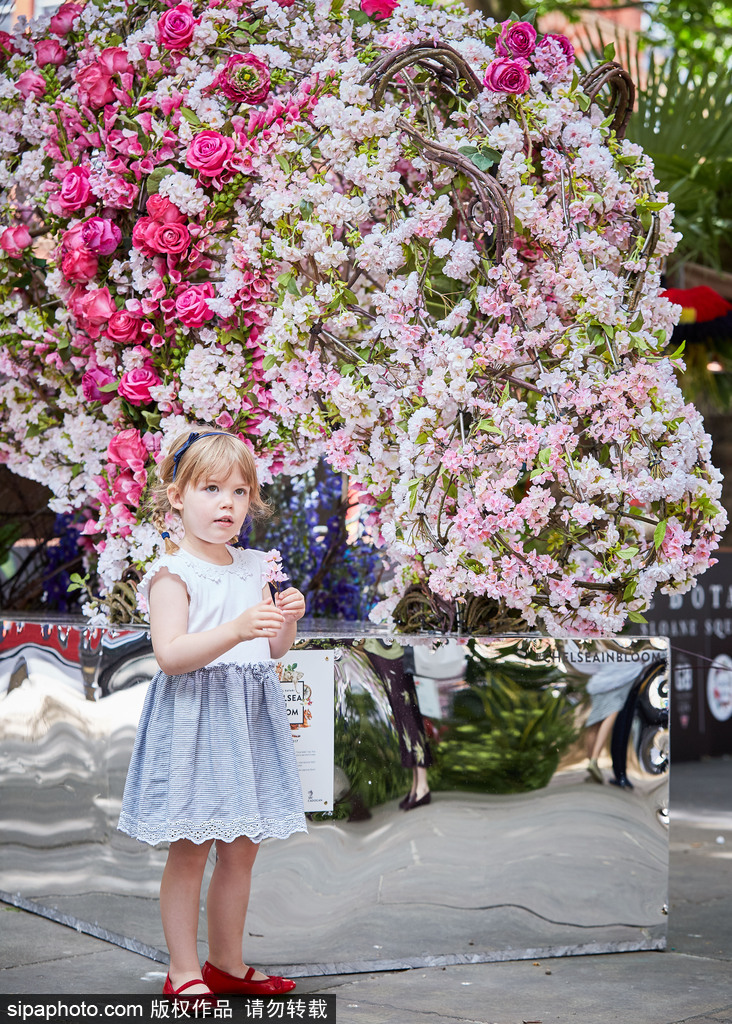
213, 510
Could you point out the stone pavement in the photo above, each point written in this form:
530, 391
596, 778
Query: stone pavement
690, 983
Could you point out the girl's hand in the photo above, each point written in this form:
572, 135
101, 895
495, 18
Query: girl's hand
261, 619
291, 603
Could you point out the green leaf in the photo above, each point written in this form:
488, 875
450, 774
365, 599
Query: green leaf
489, 427
349, 296
358, 17
306, 208
630, 590
583, 102
609, 52
269, 361
154, 179
627, 553
413, 487
284, 163
637, 617
679, 352
152, 418
659, 533
637, 323
347, 369
646, 219
190, 117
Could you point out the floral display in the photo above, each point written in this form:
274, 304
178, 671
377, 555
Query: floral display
394, 234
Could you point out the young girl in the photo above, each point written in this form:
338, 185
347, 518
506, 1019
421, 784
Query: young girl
213, 759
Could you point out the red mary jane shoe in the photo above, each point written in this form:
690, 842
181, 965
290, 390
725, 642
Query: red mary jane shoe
224, 984
194, 997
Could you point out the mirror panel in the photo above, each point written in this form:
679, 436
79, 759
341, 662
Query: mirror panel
520, 851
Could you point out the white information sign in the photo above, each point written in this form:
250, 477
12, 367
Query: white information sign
307, 679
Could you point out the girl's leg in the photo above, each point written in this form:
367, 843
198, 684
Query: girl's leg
180, 894
602, 734
226, 905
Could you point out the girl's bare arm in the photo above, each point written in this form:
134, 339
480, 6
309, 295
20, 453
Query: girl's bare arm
178, 651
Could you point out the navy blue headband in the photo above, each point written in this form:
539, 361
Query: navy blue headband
192, 438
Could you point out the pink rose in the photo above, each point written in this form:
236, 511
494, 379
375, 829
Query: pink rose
64, 18
171, 238
124, 327
135, 385
127, 450
49, 51
517, 40
563, 43
191, 305
163, 211
8, 47
143, 236
209, 152
101, 236
75, 190
505, 75
91, 383
91, 309
73, 238
379, 8
176, 27
127, 489
79, 266
13, 240
244, 79
114, 61
553, 56
29, 83
95, 88
95, 81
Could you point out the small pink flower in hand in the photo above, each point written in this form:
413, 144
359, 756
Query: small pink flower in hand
272, 571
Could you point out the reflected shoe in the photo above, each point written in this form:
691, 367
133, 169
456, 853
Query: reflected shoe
623, 782
422, 802
594, 770
404, 804
224, 984
194, 997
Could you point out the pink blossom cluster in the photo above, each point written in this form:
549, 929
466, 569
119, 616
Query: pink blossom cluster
212, 218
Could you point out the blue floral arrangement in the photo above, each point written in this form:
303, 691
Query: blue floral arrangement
337, 575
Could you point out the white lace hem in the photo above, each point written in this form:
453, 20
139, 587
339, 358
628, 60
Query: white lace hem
255, 829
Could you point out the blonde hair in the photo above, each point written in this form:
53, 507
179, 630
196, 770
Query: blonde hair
217, 454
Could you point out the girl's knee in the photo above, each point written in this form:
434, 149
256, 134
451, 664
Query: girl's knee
240, 851
184, 850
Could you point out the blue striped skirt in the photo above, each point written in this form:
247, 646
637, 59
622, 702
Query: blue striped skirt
213, 759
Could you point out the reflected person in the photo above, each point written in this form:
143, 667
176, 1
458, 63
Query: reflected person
395, 667
609, 689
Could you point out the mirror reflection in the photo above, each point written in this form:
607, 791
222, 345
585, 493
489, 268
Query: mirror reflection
494, 797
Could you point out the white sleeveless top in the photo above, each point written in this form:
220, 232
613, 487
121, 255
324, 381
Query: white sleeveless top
217, 594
